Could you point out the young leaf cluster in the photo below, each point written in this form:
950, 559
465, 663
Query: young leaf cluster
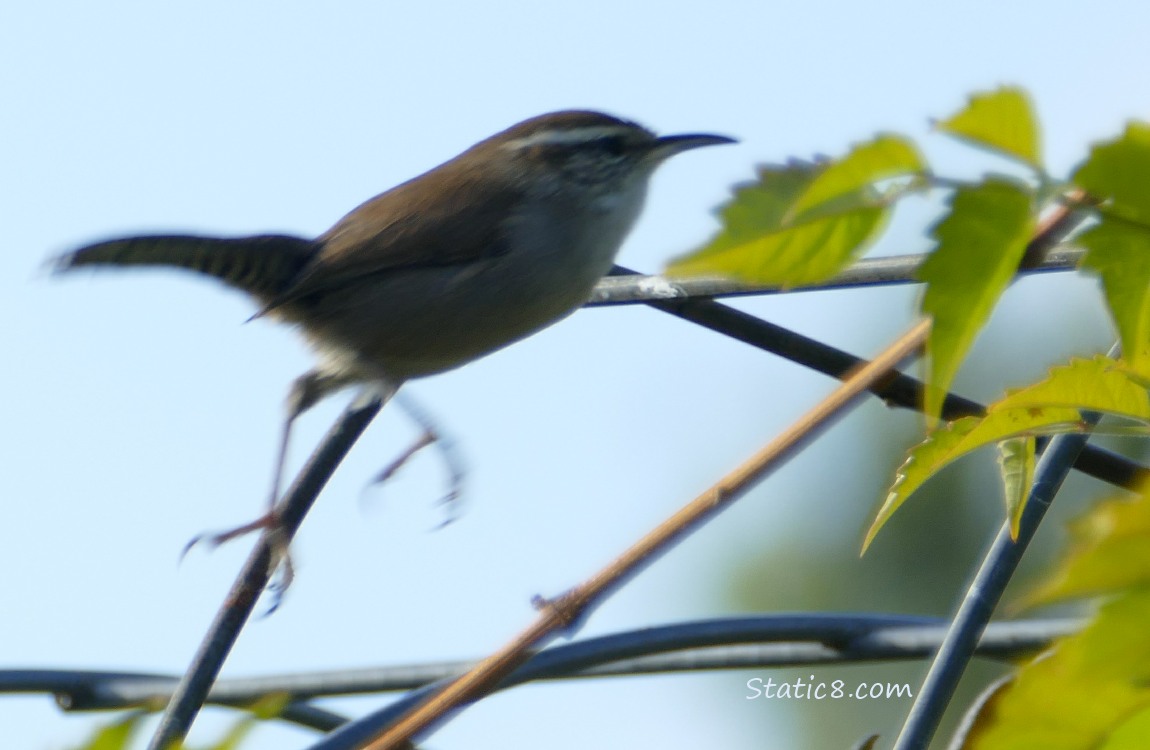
801, 223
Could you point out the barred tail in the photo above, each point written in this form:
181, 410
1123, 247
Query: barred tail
263, 265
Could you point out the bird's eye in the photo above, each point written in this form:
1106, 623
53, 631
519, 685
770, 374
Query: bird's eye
613, 144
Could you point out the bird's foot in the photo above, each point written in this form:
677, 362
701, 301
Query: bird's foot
430, 436
281, 571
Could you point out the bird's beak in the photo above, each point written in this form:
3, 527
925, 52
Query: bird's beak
669, 145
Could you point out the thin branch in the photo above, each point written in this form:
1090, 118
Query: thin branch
1072, 210
193, 688
895, 269
85, 690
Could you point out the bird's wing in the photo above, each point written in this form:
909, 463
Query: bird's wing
419, 224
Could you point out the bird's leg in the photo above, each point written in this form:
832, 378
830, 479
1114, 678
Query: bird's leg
305, 392
431, 435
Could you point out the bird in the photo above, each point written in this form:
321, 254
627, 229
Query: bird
489, 247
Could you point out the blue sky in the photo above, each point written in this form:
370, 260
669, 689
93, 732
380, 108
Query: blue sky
140, 409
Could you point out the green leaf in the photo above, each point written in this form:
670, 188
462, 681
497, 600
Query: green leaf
1132, 733
1120, 254
1097, 384
267, 707
885, 157
1117, 172
1001, 120
980, 244
956, 439
1084, 694
1049, 406
118, 735
761, 243
1110, 552
1016, 466
236, 734
980, 714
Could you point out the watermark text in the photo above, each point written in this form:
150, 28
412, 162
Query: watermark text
812, 689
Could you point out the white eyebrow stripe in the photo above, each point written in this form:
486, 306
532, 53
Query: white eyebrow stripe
564, 136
